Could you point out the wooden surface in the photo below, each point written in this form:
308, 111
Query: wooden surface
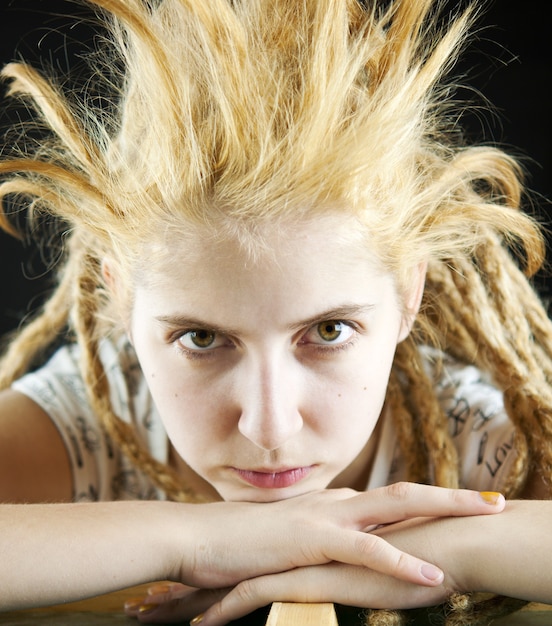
108, 610
288, 614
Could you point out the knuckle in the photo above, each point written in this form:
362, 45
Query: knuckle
400, 564
246, 592
459, 499
456, 496
383, 558
347, 492
400, 491
340, 493
373, 547
239, 600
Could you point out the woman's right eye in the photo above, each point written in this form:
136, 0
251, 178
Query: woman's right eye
200, 339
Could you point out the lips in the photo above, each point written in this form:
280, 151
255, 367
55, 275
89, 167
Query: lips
273, 479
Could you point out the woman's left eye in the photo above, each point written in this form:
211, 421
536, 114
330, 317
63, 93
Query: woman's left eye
329, 332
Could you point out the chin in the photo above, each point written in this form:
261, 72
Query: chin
252, 494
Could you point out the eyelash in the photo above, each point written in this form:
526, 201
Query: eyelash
324, 349
332, 348
193, 355
187, 352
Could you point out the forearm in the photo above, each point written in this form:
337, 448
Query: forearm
61, 552
511, 555
507, 554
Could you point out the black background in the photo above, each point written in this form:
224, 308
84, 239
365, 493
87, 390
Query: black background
508, 62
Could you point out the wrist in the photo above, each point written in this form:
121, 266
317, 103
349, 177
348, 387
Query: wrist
170, 526
441, 541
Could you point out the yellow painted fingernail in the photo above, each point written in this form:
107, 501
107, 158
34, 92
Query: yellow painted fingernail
197, 619
490, 497
159, 589
147, 608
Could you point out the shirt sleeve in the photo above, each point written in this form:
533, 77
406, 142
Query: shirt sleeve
100, 470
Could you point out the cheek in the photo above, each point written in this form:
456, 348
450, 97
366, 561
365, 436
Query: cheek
357, 398
348, 408
190, 407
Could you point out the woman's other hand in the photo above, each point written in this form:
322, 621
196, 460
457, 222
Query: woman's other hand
325, 546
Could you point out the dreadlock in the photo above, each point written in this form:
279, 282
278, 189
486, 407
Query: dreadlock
231, 114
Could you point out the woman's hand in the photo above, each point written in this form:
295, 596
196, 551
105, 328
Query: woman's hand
228, 542
350, 585
326, 546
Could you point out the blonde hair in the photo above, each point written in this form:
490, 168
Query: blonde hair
234, 114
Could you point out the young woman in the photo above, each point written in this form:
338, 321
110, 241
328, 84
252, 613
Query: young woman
288, 300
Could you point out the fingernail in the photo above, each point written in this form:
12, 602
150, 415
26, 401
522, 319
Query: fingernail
197, 619
133, 604
160, 588
490, 497
147, 608
431, 572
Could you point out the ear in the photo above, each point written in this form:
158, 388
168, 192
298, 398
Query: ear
413, 299
109, 274
117, 291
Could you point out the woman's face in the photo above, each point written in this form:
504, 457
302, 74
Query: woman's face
270, 373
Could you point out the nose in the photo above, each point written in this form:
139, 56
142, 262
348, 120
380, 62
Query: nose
269, 404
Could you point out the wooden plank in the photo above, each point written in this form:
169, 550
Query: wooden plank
299, 614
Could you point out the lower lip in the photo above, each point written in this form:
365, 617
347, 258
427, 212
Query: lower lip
276, 480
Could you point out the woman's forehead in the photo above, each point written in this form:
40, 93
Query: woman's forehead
298, 274
267, 243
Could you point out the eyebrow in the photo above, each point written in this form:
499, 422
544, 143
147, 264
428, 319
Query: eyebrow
341, 312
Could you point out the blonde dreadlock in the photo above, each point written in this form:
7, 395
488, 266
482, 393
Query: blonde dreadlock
237, 113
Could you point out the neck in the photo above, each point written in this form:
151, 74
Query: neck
357, 474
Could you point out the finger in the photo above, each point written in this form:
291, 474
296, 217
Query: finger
333, 582
159, 593
179, 608
375, 553
399, 503
166, 592
404, 500
254, 593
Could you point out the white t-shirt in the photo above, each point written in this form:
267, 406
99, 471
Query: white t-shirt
481, 430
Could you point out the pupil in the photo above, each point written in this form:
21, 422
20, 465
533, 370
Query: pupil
202, 338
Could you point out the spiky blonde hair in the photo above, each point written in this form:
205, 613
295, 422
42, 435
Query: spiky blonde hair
231, 115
